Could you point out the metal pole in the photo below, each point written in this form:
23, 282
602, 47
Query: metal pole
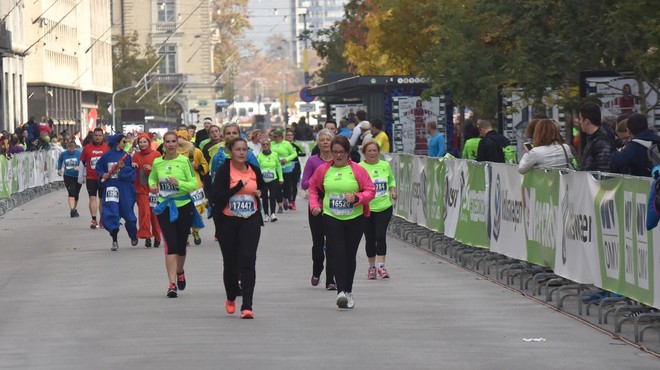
306, 57
114, 118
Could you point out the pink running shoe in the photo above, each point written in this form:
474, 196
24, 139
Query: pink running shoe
382, 272
371, 273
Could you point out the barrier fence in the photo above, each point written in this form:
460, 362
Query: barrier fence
27, 170
588, 230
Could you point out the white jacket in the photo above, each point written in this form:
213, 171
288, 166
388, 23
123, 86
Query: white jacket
547, 156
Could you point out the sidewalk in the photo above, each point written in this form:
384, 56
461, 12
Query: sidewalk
68, 302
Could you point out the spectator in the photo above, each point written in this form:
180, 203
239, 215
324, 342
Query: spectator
343, 128
633, 158
45, 126
303, 131
622, 134
357, 135
380, 136
254, 143
5, 146
472, 144
436, 140
492, 143
549, 151
32, 129
597, 153
15, 145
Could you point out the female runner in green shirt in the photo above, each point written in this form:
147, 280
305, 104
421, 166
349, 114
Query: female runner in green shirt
375, 228
271, 169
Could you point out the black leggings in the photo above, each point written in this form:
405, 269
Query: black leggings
72, 186
239, 239
375, 232
285, 189
318, 255
343, 238
268, 195
175, 234
295, 179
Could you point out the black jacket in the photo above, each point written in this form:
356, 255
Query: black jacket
221, 192
490, 147
633, 158
597, 153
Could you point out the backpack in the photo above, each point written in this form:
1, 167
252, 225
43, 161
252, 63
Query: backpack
510, 155
652, 151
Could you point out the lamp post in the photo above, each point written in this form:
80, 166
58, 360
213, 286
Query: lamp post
303, 12
114, 118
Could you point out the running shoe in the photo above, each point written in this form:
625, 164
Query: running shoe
115, 246
286, 204
315, 280
292, 206
371, 273
196, 238
134, 242
230, 306
273, 217
147, 242
94, 224
280, 209
247, 314
181, 280
171, 291
342, 300
71, 214
75, 213
331, 286
350, 303
266, 218
156, 243
382, 272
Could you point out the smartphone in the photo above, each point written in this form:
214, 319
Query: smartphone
528, 145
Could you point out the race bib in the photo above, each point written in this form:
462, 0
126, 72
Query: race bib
70, 163
111, 194
269, 175
92, 162
242, 205
339, 206
165, 188
153, 200
381, 186
198, 197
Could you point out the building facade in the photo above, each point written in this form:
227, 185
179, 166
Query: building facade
183, 36
68, 60
313, 15
13, 97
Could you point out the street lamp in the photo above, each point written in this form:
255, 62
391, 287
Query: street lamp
303, 12
114, 118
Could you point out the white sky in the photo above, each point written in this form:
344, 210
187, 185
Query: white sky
266, 23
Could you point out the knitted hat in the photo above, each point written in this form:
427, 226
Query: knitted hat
183, 134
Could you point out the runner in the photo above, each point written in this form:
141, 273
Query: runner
238, 219
116, 174
211, 145
89, 156
375, 229
142, 162
287, 153
271, 170
173, 178
319, 251
70, 160
348, 190
201, 167
229, 132
295, 173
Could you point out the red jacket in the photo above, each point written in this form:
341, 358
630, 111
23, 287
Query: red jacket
367, 190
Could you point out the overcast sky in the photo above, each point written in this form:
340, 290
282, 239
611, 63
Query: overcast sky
266, 23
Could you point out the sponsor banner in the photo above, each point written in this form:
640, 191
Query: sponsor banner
472, 226
455, 178
576, 258
506, 229
404, 187
625, 246
5, 180
27, 170
418, 204
540, 193
435, 174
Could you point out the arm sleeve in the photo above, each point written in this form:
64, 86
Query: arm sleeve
527, 162
153, 175
307, 174
189, 181
391, 181
203, 168
367, 190
128, 172
278, 169
355, 135
60, 160
314, 183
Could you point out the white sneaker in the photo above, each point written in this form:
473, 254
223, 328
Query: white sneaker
266, 218
342, 300
351, 302
273, 218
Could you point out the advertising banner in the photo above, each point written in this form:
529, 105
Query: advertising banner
455, 179
404, 186
540, 192
410, 114
577, 258
435, 174
506, 229
5, 180
418, 204
472, 226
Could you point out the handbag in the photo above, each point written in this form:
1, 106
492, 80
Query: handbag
569, 164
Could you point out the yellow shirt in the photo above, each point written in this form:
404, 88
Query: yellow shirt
383, 142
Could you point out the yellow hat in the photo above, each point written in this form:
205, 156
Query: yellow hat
183, 134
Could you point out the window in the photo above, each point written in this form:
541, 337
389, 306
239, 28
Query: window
166, 11
168, 63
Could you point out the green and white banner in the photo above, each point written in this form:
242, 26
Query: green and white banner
506, 210
404, 175
540, 191
435, 175
27, 170
472, 226
455, 178
418, 208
